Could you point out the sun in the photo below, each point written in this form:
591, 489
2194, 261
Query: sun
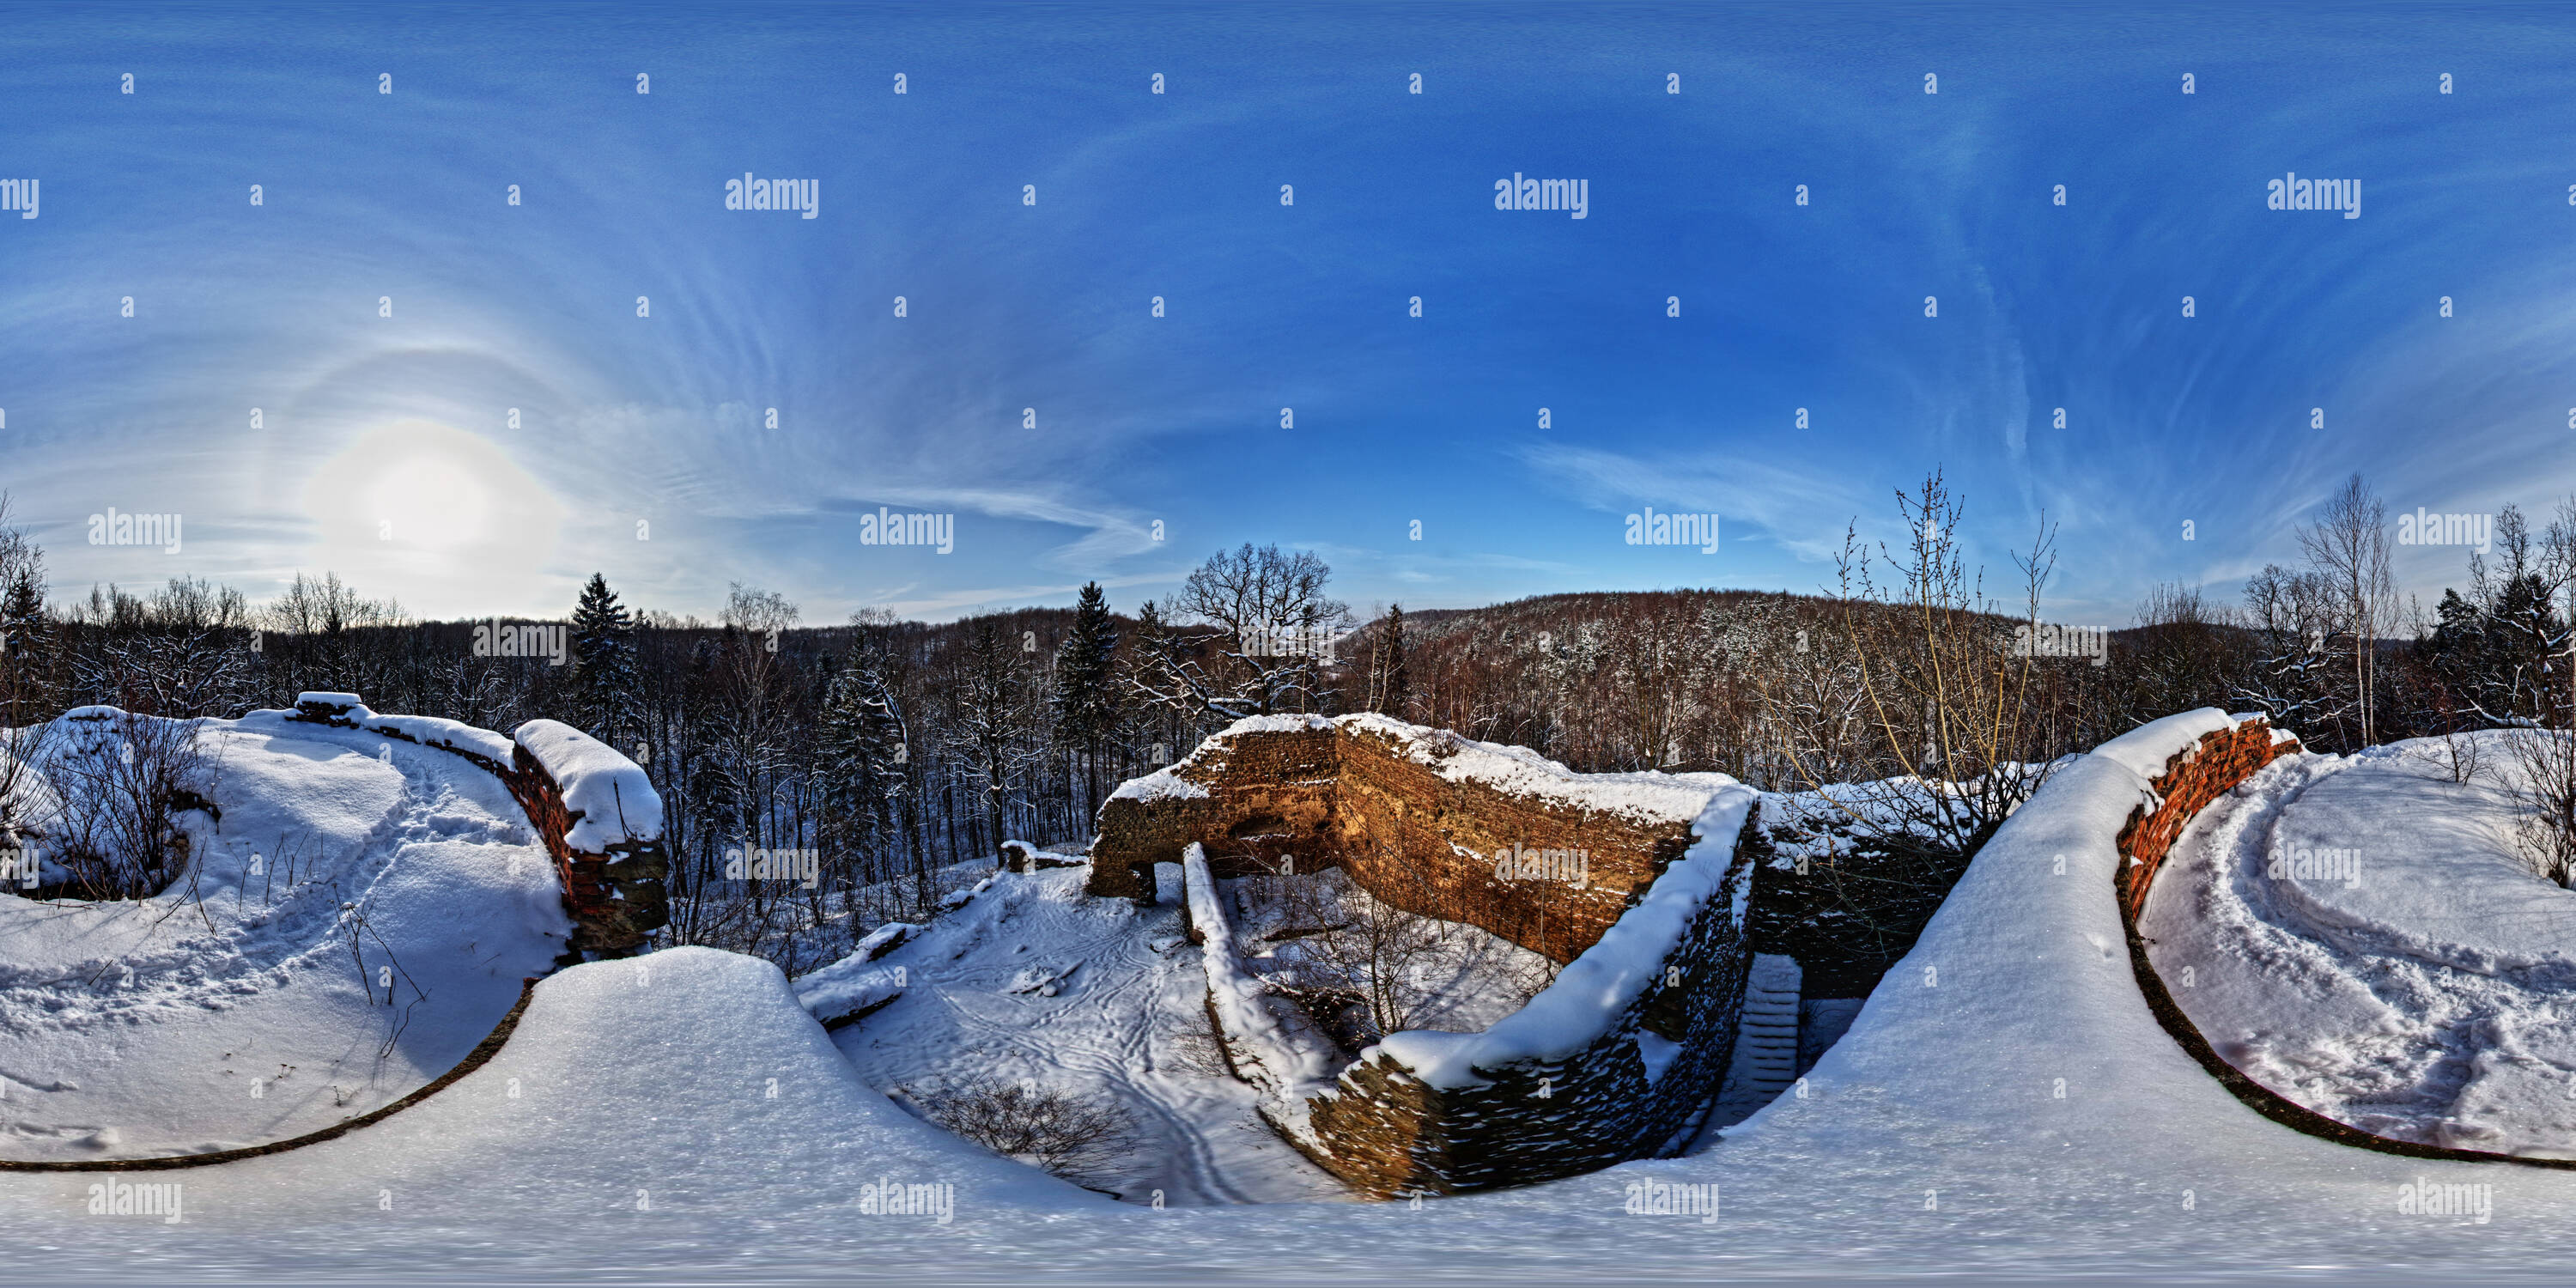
432, 512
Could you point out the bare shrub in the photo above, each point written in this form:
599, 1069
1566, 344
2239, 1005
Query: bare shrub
1931, 727
119, 784
1362, 966
1195, 1049
2545, 791
1071, 1138
26, 801
2461, 754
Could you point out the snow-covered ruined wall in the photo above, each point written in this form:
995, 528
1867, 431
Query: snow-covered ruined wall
2182, 780
1631, 881
596, 811
1617, 1059
1254, 1038
1423, 819
2189, 761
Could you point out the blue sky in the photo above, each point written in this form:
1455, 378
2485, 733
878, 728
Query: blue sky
384, 451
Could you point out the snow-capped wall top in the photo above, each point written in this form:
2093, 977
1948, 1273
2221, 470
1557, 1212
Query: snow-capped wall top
1520, 771
1161, 784
2144, 750
1514, 770
435, 731
1597, 988
608, 796
428, 731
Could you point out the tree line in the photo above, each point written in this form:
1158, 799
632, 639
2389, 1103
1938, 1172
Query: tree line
900, 750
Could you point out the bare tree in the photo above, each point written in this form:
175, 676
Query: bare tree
1351, 950
1265, 614
2298, 651
2545, 790
992, 720
1950, 704
2348, 544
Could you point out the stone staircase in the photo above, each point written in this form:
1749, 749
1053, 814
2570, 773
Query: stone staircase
1766, 1042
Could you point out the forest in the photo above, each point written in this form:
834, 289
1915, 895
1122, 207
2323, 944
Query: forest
900, 752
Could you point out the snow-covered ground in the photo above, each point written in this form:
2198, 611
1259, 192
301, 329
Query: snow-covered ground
2404, 970
248, 1003
2003, 1107
1033, 981
1459, 978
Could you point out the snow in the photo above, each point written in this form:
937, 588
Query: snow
609, 797
1507, 769
850, 985
1519, 771
1287, 1070
434, 731
1095, 998
1657, 1053
429, 731
1599, 986
135, 1028
1162, 784
2145, 750
1931, 1138
2404, 972
637, 1098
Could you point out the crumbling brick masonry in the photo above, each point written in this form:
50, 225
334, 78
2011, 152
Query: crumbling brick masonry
1417, 817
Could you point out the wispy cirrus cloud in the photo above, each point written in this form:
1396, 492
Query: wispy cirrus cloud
1802, 511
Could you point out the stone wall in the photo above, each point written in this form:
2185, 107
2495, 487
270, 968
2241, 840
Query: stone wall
1836, 895
1391, 1133
615, 898
1416, 817
1368, 794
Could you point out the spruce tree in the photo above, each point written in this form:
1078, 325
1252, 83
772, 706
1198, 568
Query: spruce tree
1394, 683
988, 722
864, 748
26, 646
1086, 685
603, 648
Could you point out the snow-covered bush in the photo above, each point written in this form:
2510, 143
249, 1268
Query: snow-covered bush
1071, 1138
117, 783
27, 798
2544, 787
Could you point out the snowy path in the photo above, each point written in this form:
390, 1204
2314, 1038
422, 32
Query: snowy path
2003, 1109
2403, 972
1032, 980
241, 1012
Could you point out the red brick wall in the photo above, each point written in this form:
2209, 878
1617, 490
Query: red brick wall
614, 899
2192, 779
